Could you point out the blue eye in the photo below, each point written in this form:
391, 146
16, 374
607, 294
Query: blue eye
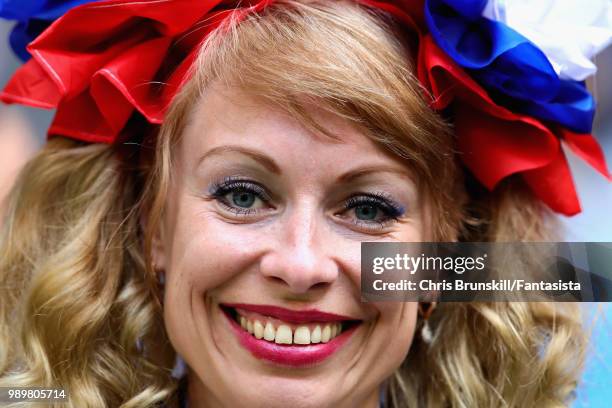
240, 196
373, 210
366, 212
244, 199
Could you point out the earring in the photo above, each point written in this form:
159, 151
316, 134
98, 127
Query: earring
425, 310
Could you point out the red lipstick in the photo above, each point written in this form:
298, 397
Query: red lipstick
291, 316
293, 355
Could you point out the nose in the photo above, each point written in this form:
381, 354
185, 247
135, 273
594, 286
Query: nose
301, 258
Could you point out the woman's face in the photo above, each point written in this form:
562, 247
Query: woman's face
263, 227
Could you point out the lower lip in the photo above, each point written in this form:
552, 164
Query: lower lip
289, 355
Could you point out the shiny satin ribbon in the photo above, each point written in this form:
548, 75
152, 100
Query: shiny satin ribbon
514, 70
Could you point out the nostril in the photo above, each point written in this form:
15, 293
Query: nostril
320, 285
315, 286
276, 279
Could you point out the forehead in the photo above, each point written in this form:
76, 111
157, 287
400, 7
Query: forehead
231, 116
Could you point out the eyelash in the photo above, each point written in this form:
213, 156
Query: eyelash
229, 185
391, 210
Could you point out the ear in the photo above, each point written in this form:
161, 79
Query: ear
158, 250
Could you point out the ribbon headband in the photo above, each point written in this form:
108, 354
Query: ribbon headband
101, 61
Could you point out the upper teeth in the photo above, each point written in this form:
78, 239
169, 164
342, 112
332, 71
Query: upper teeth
284, 334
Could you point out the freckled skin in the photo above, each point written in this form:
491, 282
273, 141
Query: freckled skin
300, 249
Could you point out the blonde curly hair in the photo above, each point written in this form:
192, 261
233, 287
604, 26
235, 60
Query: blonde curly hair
79, 300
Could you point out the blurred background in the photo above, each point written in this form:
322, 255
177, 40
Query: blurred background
22, 132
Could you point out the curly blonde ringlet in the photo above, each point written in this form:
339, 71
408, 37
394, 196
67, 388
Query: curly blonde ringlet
79, 303
76, 308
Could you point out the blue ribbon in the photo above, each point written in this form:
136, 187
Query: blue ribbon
33, 17
513, 70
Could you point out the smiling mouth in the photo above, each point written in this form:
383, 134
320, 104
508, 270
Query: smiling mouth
286, 333
289, 337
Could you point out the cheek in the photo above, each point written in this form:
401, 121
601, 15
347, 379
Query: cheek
206, 254
398, 322
207, 251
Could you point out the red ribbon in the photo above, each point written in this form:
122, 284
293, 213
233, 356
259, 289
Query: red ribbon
102, 61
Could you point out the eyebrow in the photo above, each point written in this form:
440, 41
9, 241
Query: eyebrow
259, 157
364, 171
272, 166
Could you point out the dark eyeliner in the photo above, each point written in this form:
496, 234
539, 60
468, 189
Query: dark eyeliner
390, 208
218, 190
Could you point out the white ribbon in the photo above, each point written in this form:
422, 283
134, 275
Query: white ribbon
569, 32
